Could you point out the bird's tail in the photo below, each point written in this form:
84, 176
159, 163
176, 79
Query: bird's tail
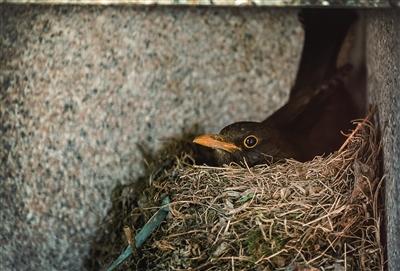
299, 102
338, 78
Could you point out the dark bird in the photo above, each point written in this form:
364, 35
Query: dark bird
285, 134
319, 107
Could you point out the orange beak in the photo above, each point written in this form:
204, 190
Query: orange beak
216, 142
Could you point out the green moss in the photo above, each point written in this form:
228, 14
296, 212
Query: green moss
257, 246
246, 197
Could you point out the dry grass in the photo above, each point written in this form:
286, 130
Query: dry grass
321, 214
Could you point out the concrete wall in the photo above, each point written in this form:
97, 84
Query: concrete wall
383, 61
81, 87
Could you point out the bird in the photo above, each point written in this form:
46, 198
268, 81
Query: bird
285, 134
319, 106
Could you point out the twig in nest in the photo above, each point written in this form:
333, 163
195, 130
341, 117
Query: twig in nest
357, 129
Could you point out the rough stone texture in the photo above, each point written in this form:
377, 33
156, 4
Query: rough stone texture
80, 87
383, 58
280, 3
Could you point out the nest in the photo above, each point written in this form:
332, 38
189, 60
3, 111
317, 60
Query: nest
320, 215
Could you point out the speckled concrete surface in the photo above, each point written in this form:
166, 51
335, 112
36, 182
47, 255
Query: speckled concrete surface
285, 3
383, 59
82, 86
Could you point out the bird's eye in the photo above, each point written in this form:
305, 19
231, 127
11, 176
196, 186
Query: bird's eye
250, 141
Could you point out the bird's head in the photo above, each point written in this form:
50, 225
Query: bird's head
254, 142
